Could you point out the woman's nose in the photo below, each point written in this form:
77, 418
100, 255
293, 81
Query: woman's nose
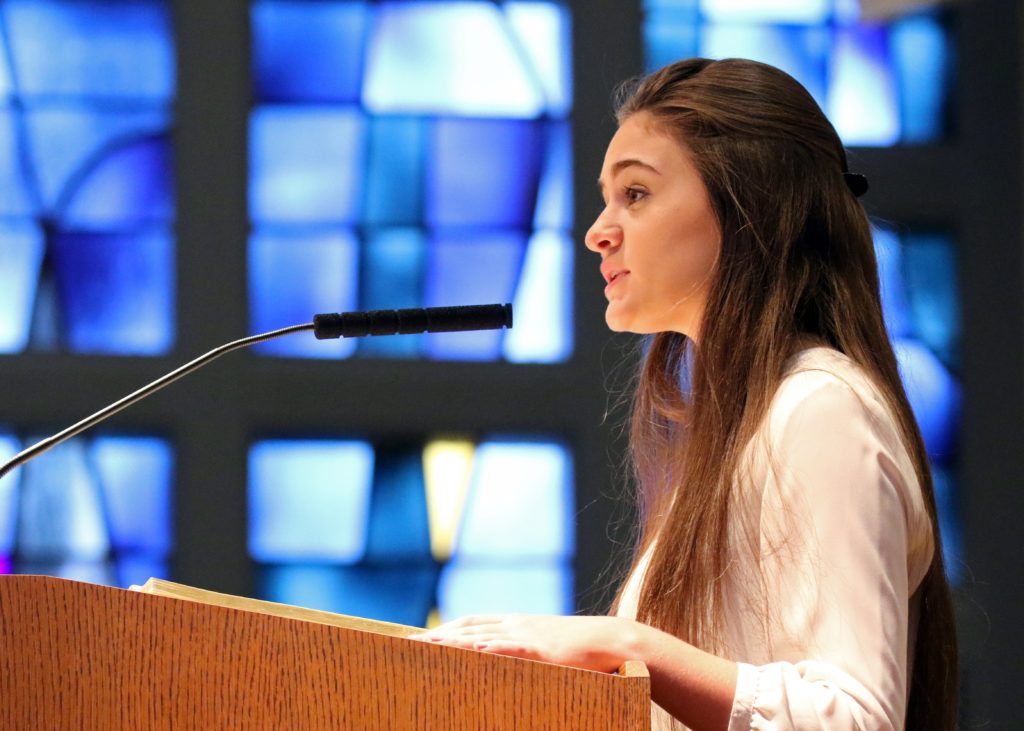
603, 235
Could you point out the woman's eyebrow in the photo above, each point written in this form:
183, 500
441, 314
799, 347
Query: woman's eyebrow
621, 165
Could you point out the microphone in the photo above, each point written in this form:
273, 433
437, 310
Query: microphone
411, 321
335, 325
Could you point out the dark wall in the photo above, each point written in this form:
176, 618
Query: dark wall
987, 190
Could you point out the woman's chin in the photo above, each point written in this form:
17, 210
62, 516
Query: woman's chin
615, 318
620, 320
623, 320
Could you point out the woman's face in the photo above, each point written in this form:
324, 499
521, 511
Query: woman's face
658, 237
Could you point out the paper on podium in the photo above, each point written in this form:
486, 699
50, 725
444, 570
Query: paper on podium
161, 587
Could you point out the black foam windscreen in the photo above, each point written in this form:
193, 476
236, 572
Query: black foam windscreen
411, 321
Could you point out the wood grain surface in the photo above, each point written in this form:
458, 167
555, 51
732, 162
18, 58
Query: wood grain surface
83, 656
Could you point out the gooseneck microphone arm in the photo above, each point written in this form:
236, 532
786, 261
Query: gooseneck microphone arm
105, 413
346, 324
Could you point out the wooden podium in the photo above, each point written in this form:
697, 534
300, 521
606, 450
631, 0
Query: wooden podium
83, 656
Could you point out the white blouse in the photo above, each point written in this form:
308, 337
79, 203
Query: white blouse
829, 540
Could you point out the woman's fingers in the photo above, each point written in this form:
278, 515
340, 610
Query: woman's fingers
459, 635
511, 648
470, 621
473, 639
464, 626
592, 643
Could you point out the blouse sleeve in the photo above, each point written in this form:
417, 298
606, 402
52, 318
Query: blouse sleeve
840, 500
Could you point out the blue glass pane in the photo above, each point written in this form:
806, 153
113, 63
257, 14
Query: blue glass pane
295, 275
47, 323
392, 269
305, 164
472, 267
9, 446
60, 510
138, 568
889, 253
478, 588
68, 140
6, 79
448, 58
862, 91
16, 198
929, 265
543, 302
394, 176
308, 500
768, 11
669, 35
107, 49
934, 396
689, 6
483, 172
393, 594
21, 255
799, 51
399, 530
91, 571
117, 291
519, 504
922, 59
554, 197
392, 278
135, 477
130, 184
847, 11
949, 523
308, 51
542, 32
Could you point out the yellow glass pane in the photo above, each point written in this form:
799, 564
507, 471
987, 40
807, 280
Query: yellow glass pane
447, 468
433, 619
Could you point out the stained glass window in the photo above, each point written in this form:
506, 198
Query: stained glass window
94, 509
880, 84
86, 210
408, 155
406, 532
920, 296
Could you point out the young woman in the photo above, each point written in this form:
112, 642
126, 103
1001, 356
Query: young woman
789, 570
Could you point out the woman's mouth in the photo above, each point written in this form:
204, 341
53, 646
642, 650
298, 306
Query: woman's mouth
615, 278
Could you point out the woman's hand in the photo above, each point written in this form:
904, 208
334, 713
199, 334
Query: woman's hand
694, 686
590, 643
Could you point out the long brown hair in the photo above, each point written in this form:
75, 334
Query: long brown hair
796, 262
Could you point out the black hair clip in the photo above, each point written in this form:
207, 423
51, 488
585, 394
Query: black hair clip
857, 183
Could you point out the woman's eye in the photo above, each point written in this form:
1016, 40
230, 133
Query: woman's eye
634, 195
